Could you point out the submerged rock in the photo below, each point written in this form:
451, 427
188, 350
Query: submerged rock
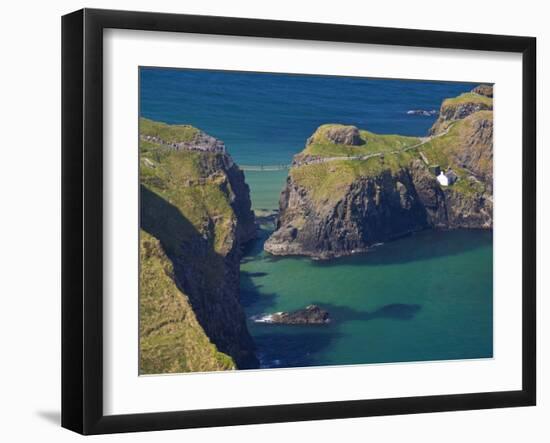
265, 216
422, 112
311, 315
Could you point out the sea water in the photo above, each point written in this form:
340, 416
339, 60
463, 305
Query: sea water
428, 296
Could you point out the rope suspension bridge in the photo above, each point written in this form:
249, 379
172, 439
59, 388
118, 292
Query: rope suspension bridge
264, 168
283, 167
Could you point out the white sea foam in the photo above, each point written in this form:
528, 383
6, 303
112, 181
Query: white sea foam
262, 318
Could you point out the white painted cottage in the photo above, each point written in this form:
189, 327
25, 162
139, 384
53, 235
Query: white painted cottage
447, 178
442, 179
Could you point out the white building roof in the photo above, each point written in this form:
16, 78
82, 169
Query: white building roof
443, 179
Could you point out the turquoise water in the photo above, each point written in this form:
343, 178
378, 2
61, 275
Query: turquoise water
265, 188
424, 297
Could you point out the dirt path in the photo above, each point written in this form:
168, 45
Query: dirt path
423, 141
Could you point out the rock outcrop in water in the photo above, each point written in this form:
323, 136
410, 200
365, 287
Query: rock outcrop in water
422, 112
195, 204
310, 315
350, 197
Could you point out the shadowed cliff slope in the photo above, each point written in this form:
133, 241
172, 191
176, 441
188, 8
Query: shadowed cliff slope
171, 338
195, 202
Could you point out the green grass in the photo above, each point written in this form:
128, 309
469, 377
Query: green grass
330, 181
451, 105
186, 216
437, 150
180, 177
322, 146
468, 97
171, 339
440, 150
444, 149
468, 187
168, 133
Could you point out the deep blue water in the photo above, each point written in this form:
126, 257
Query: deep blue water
425, 297
268, 117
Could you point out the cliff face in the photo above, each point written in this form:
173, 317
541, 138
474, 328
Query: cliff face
468, 204
171, 338
346, 198
452, 109
372, 209
195, 202
486, 90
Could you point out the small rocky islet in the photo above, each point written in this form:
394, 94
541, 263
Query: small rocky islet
310, 315
422, 112
346, 192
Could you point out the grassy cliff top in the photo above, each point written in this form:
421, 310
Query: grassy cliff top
168, 133
460, 137
190, 182
467, 97
171, 338
322, 142
330, 180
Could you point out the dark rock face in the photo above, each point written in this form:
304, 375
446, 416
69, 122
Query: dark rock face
232, 181
430, 195
462, 111
344, 135
387, 205
447, 208
220, 309
311, 315
486, 90
211, 278
241, 204
373, 210
200, 142
476, 153
449, 113
217, 305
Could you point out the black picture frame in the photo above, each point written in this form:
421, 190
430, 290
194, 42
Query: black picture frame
82, 219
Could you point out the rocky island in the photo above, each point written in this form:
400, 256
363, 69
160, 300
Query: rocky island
350, 189
195, 215
310, 315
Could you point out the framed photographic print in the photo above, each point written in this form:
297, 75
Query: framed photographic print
270, 221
